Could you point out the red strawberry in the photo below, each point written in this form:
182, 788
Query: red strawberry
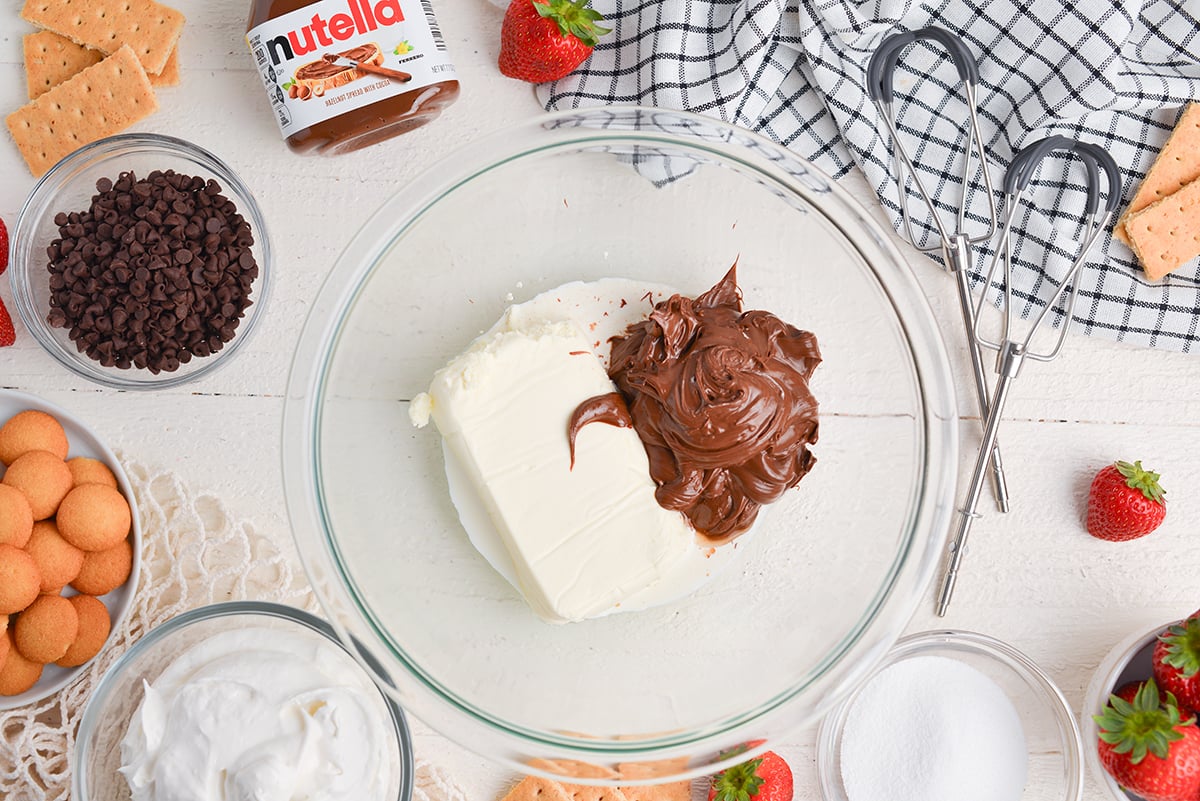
1148, 748
3, 247
1129, 690
8, 334
764, 778
1124, 503
1177, 662
543, 40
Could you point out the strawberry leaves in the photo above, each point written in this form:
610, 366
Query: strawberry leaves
573, 18
1145, 481
739, 783
1182, 649
1147, 725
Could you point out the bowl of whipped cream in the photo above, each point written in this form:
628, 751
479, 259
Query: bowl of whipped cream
621, 436
240, 701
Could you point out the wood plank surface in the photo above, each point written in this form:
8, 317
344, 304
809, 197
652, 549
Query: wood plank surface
1033, 578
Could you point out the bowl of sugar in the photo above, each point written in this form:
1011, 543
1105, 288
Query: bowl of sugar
951, 715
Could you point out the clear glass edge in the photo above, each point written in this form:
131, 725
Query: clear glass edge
88, 720
830, 731
934, 498
1096, 695
36, 204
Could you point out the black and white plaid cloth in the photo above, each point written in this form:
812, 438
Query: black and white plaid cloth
1109, 72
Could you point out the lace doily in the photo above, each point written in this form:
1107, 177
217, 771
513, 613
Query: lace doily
194, 553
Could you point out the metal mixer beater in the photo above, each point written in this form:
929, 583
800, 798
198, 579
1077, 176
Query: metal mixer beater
955, 243
1013, 347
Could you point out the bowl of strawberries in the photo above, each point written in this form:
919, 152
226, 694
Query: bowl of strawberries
1140, 715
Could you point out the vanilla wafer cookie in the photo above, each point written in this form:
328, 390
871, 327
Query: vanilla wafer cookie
1166, 235
1178, 163
149, 28
100, 101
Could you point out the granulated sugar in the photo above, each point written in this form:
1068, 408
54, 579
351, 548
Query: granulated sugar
931, 728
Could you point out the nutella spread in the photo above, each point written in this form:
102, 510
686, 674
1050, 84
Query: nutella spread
607, 408
721, 402
344, 74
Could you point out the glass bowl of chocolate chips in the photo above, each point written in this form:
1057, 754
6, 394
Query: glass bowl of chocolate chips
140, 261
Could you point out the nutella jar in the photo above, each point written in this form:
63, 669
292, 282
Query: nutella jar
344, 74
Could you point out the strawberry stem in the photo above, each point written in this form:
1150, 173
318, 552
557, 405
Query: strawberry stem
573, 17
1147, 725
739, 783
1183, 647
1138, 478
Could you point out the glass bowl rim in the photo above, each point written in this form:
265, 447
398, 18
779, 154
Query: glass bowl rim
1101, 685
1000, 652
36, 205
932, 496
265, 609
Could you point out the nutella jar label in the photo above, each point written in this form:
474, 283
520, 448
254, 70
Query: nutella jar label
333, 56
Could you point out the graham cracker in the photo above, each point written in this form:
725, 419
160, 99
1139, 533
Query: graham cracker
170, 73
675, 791
535, 788
641, 771
1166, 234
652, 770
585, 792
102, 100
572, 768
150, 28
1178, 163
50, 59
582, 770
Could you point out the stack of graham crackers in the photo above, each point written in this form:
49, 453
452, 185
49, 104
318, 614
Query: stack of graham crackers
91, 72
1162, 223
536, 788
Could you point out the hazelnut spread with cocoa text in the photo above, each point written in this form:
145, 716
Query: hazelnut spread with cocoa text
344, 74
721, 402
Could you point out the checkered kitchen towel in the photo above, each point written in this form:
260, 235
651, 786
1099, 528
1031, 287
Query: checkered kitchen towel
1105, 71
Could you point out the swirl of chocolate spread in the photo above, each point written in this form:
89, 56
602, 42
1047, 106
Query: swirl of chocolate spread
720, 400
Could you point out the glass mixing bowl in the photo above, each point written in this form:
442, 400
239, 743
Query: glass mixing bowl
815, 596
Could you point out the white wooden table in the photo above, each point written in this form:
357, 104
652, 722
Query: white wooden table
1049, 589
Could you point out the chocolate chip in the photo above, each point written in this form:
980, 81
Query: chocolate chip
155, 272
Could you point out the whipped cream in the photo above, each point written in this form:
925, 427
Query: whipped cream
261, 714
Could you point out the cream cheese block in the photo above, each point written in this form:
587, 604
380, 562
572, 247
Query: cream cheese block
582, 539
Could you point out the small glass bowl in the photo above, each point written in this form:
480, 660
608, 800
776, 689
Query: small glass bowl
68, 187
97, 755
83, 441
1130, 660
1051, 733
